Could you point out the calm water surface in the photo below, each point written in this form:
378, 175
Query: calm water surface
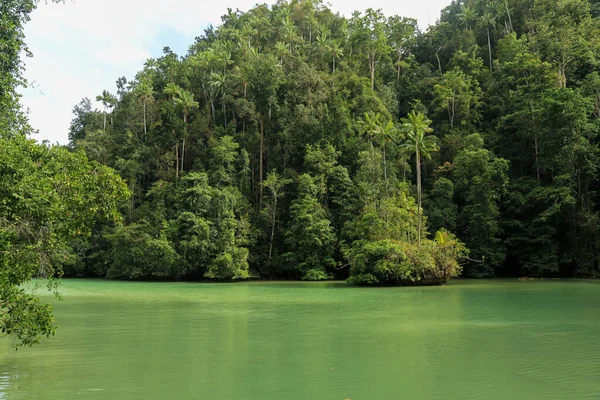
285, 341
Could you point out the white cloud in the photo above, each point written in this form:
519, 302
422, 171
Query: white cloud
425, 11
81, 47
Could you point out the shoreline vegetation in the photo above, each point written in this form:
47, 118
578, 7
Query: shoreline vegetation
294, 143
39, 285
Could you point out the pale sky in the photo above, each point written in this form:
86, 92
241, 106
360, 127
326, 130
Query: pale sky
81, 47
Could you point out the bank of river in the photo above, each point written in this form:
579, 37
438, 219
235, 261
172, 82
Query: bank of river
468, 340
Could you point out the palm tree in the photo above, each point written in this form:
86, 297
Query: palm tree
254, 52
242, 76
151, 64
336, 51
416, 126
112, 103
281, 50
186, 101
369, 126
204, 64
219, 83
386, 134
289, 30
489, 21
311, 22
322, 43
248, 31
108, 101
174, 90
223, 57
229, 33
275, 184
467, 16
373, 128
258, 22
144, 93
404, 154
509, 26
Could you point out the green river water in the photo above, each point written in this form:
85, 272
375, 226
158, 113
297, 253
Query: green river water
468, 340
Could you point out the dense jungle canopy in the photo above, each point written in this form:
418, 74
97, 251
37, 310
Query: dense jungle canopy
282, 145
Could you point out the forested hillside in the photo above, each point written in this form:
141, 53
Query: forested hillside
291, 142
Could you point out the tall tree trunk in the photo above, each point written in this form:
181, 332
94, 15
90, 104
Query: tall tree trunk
183, 143
372, 67
334, 64
597, 104
260, 162
385, 180
418, 159
537, 161
452, 111
104, 126
132, 189
144, 118
535, 142
509, 18
176, 160
273, 221
253, 180
490, 47
562, 73
438, 60
182, 153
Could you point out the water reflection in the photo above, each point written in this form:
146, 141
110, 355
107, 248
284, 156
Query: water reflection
491, 340
4, 385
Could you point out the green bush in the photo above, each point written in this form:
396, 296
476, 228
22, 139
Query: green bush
230, 265
391, 262
316, 275
137, 254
